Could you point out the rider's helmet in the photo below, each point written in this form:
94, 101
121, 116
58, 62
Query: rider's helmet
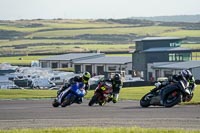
117, 77
187, 75
86, 77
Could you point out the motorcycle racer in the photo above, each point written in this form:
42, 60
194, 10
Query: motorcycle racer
183, 80
116, 85
184, 75
84, 79
177, 89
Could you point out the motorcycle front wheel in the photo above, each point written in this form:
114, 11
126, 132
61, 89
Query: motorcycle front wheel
55, 103
93, 100
68, 101
145, 100
172, 98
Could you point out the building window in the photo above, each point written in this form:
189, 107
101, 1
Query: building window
88, 68
44, 64
179, 56
168, 73
123, 68
64, 65
172, 57
112, 68
77, 68
186, 56
157, 74
54, 65
100, 70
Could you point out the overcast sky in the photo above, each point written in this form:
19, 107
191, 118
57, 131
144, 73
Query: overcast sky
94, 9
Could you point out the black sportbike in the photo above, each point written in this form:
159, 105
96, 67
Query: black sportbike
169, 95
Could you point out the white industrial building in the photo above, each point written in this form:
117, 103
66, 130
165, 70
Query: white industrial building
165, 69
95, 63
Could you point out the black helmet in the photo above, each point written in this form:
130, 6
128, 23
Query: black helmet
117, 77
186, 74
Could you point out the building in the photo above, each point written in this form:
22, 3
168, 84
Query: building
158, 49
66, 60
104, 64
166, 69
95, 63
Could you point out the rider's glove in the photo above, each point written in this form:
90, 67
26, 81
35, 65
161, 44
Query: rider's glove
157, 84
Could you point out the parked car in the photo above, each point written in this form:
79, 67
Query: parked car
41, 83
95, 80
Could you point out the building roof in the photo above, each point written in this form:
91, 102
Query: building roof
178, 65
72, 56
158, 38
106, 60
166, 49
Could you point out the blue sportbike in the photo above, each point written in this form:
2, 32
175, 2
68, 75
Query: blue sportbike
73, 94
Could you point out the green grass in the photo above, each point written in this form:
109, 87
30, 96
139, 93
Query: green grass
182, 33
71, 22
192, 46
21, 26
151, 30
99, 130
20, 60
79, 48
131, 93
20, 29
55, 30
26, 94
62, 48
42, 41
26, 60
81, 24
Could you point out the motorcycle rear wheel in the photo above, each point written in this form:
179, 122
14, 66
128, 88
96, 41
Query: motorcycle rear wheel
169, 101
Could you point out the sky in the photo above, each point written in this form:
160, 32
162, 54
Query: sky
95, 9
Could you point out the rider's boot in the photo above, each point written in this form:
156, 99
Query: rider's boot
115, 98
114, 101
110, 99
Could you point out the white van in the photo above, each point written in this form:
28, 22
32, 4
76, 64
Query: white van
42, 83
62, 78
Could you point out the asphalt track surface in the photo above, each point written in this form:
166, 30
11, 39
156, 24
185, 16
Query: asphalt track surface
40, 114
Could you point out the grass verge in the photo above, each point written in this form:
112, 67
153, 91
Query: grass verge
99, 130
130, 93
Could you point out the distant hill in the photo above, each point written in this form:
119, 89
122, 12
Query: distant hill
26, 37
176, 18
